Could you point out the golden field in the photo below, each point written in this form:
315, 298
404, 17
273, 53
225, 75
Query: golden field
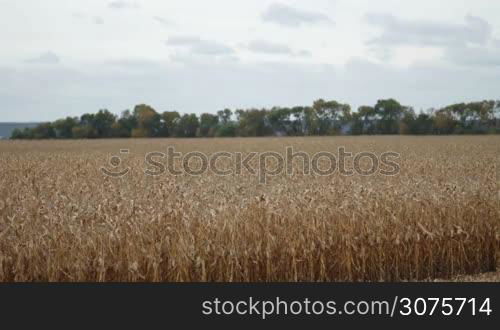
62, 219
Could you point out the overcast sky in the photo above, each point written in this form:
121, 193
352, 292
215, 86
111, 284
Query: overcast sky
68, 57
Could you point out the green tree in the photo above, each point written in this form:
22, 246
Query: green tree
330, 116
253, 122
124, 125
280, 121
390, 112
44, 131
224, 116
407, 122
19, 134
297, 127
310, 121
83, 132
170, 120
86, 129
444, 122
187, 126
226, 127
364, 121
103, 123
208, 125
64, 127
148, 121
423, 124
229, 129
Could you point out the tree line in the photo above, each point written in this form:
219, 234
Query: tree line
387, 116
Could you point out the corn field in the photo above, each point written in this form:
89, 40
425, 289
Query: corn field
61, 219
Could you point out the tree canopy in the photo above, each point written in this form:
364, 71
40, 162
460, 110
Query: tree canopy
387, 116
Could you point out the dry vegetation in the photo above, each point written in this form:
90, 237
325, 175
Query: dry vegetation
62, 220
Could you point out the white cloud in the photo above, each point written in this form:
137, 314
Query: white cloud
474, 56
199, 46
119, 4
263, 46
292, 17
163, 21
211, 48
272, 48
300, 54
466, 44
396, 31
84, 17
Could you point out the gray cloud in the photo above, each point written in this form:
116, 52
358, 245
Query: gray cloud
120, 4
45, 58
163, 21
98, 20
211, 48
262, 46
271, 48
291, 17
36, 93
199, 46
194, 60
467, 44
396, 31
183, 40
474, 56
304, 53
